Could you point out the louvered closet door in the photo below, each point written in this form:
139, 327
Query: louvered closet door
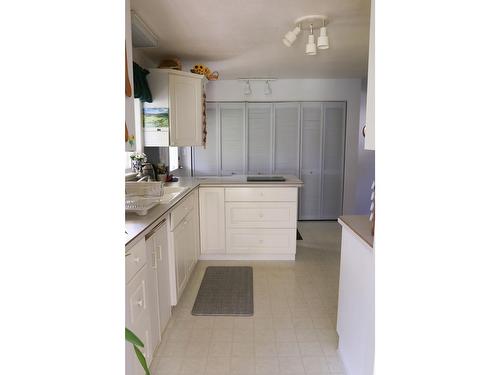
310, 168
333, 160
259, 122
286, 138
232, 127
206, 158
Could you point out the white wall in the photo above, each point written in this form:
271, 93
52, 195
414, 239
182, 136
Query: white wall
143, 60
129, 101
348, 90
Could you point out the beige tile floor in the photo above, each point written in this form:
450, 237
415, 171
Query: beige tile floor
293, 327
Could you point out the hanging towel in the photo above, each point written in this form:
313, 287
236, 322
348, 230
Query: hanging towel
141, 87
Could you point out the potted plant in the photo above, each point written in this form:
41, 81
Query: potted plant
138, 158
137, 343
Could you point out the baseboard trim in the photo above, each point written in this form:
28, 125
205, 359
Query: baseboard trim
247, 256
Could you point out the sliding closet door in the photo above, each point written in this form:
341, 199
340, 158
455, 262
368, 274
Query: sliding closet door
206, 159
259, 125
232, 127
310, 166
333, 160
286, 138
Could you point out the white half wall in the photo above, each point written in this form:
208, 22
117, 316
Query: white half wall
349, 90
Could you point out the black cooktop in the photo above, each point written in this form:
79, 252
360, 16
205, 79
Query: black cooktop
266, 178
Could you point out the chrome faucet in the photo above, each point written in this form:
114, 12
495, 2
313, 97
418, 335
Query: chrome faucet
147, 178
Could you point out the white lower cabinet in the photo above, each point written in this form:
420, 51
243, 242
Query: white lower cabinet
185, 243
148, 304
260, 241
157, 254
356, 304
212, 222
248, 222
138, 309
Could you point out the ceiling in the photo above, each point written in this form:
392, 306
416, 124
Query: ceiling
242, 38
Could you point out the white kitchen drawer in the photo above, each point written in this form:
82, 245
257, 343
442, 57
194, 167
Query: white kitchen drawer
261, 241
135, 259
261, 215
182, 209
253, 194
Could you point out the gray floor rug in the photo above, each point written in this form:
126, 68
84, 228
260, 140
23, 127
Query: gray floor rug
225, 291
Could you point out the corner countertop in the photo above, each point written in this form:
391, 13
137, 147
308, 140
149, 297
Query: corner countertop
360, 225
136, 225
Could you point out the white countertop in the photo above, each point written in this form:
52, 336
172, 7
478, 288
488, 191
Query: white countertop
135, 225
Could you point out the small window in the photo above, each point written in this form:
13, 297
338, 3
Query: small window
128, 162
173, 157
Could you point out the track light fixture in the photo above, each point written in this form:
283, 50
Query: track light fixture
313, 22
323, 38
291, 36
310, 46
267, 88
248, 89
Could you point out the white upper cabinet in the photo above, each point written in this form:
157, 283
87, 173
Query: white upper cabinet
185, 95
259, 123
286, 138
206, 158
370, 94
232, 127
181, 93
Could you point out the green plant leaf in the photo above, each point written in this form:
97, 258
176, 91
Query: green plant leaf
142, 360
132, 338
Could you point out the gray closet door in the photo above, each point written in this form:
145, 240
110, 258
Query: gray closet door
310, 165
206, 158
286, 138
232, 128
259, 125
333, 160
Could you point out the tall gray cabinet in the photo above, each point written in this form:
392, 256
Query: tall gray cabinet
287, 138
322, 160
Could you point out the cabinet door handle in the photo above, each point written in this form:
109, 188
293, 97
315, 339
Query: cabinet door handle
160, 252
140, 303
155, 264
137, 259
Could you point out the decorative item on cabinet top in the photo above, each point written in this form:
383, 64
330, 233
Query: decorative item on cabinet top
203, 70
171, 63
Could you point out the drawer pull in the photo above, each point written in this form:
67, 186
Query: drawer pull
140, 303
137, 259
261, 215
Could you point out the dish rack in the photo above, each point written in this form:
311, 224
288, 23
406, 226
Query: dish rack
142, 196
140, 205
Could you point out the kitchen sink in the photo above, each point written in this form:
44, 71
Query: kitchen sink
170, 192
